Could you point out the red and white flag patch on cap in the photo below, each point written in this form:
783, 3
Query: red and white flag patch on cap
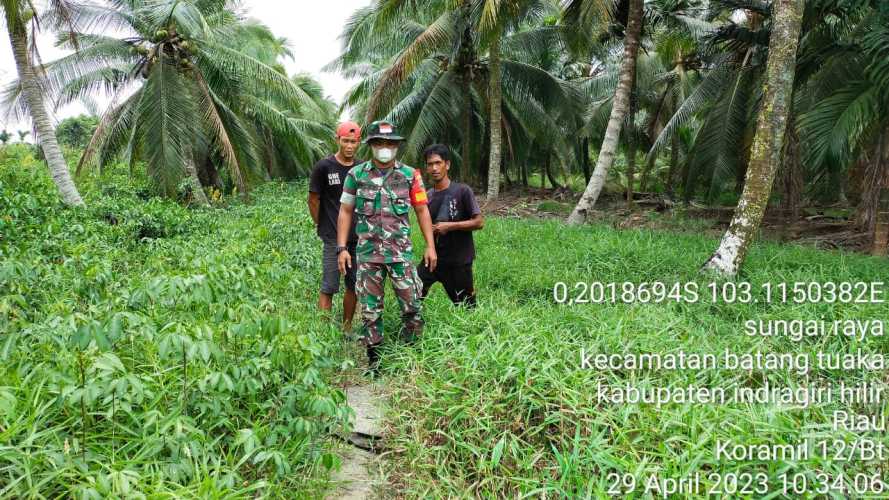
385, 128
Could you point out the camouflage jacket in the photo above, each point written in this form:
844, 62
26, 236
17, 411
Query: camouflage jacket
382, 201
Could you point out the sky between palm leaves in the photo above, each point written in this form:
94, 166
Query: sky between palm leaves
313, 29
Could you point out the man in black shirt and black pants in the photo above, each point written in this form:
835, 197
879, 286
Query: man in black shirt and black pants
455, 215
325, 190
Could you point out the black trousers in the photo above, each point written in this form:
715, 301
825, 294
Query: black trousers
455, 278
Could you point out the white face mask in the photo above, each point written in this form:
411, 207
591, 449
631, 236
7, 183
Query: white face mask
384, 155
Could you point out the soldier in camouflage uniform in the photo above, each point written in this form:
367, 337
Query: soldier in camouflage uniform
380, 193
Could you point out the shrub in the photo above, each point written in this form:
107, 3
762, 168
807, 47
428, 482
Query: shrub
153, 350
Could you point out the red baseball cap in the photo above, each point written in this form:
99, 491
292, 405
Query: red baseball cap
349, 129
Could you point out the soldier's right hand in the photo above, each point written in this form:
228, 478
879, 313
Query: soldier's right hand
344, 261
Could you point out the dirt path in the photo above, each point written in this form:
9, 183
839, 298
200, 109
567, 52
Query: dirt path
356, 479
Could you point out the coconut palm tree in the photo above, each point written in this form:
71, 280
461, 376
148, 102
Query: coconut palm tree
189, 90
445, 69
768, 142
497, 18
676, 32
722, 106
652, 85
721, 110
21, 27
582, 11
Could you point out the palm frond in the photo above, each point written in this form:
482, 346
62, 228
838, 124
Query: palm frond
832, 131
167, 117
711, 87
223, 141
439, 33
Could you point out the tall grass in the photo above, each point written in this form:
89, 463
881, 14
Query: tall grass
494, 402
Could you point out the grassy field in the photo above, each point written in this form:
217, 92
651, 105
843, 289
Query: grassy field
496, 402
152, 350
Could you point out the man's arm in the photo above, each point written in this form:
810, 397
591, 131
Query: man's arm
420, 203
430, 258
344, 220
474, 224
343, 224
314, 206
316, 186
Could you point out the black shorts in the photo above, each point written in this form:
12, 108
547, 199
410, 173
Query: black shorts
330, 273
455, 278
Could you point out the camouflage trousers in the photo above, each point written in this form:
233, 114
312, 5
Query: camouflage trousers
370, 284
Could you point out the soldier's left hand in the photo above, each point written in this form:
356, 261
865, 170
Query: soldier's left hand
430, 258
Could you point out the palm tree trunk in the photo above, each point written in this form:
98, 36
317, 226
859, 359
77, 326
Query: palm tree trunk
585, 159
651, 130
46, 134
674, 163
631, 150
191, 171
496, 112
549, 173
768, 142
466, 60
646, 173
618, 114
465, 172
874, 175
792, 172
881, 231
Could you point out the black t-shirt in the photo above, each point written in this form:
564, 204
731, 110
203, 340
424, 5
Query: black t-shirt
327, 180
454, 204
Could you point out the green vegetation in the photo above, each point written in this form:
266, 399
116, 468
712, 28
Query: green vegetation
494, 403
159, 336
683, 123
149, 349
75, 132
685, 120
428, 66
553, 207
153, 349
199, 95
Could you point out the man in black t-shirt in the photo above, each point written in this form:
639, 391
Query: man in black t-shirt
325, 190
455, 215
